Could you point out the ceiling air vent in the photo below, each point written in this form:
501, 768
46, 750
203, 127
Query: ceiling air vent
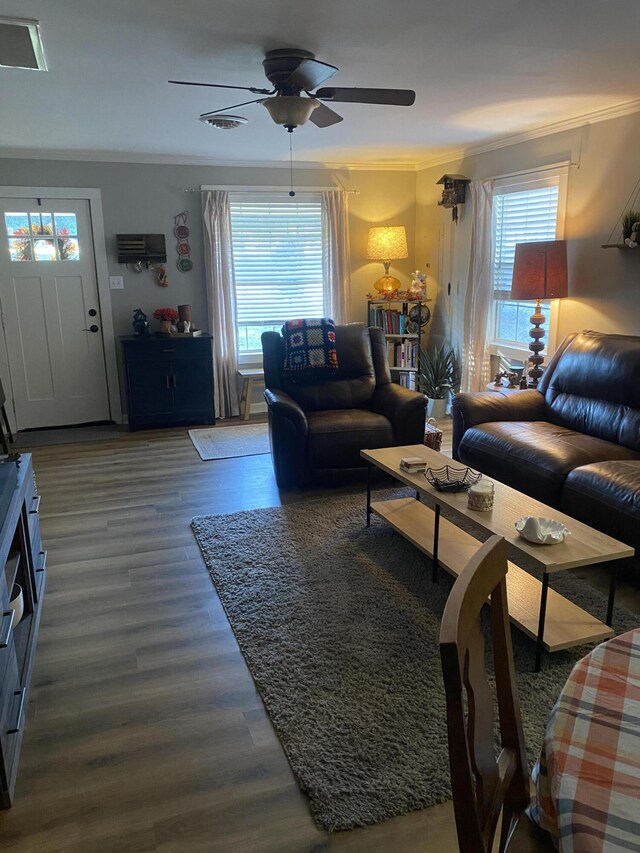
21, 44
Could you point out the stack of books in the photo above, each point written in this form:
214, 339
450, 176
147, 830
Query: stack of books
413, 465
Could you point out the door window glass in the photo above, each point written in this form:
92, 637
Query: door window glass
39, 236
20, 250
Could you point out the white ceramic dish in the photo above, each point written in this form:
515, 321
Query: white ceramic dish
541, 531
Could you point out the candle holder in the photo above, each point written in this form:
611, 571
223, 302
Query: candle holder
481, 496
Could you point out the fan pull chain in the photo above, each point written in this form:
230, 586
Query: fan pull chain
291, 191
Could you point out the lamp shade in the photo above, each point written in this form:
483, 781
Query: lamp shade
540, 270
387, 243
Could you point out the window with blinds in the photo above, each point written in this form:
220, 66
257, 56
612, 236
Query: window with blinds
522, 213
277, 256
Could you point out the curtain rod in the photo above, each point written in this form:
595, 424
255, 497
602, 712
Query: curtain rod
249, 190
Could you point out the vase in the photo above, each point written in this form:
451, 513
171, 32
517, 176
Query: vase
165, 327
436, 408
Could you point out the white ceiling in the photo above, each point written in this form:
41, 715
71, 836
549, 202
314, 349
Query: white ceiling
481, 70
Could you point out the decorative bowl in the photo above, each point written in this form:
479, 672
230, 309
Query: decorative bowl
450, 479
541, 531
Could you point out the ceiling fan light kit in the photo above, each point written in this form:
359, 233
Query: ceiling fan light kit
290, 111
294, 73
222, 121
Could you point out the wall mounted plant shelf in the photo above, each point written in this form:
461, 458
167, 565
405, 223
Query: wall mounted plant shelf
627, 222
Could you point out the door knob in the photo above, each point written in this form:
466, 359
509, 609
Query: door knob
93, 328
92, 312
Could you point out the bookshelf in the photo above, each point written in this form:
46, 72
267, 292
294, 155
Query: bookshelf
402, 322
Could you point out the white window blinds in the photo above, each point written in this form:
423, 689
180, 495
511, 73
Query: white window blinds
520, 216
277, 256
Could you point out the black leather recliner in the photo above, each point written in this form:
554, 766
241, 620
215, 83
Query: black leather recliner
574, 443
317, 428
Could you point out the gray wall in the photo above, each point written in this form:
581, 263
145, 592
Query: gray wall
604, 284
145, 198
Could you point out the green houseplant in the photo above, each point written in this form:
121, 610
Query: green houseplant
439, 375
629, 217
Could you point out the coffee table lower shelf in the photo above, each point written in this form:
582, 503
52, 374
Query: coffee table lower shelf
566, 625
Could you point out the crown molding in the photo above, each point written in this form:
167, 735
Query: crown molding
86, 156
605, 114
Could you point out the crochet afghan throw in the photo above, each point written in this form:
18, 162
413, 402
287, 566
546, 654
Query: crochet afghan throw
310, 347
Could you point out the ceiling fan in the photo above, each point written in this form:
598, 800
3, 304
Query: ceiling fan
291, 73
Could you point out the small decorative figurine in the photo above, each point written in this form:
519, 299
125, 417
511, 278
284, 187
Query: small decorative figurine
140, 322
161, 276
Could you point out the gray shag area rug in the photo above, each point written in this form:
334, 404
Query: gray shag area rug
339, 625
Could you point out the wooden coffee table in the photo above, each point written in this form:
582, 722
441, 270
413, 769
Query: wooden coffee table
544, 615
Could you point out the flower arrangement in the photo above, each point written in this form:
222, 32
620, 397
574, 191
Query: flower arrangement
169, 315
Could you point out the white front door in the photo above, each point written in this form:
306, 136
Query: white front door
50, 312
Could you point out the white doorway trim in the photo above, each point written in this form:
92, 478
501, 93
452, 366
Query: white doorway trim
94, 197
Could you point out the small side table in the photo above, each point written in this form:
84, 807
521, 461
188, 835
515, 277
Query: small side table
249, 376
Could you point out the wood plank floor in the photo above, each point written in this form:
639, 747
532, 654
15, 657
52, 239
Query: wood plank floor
145, 731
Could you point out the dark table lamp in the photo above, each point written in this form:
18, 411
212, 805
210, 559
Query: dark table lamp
539, 272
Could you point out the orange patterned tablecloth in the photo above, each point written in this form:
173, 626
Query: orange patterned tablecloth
588, 776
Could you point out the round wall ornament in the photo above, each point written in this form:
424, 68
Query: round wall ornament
183, 249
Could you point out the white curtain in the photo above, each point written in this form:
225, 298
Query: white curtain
336, 255
475, 361
221, 301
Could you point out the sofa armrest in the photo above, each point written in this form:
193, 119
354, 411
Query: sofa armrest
405, 409
483, 407
282, 405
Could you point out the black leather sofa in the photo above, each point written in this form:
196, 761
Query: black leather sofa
574, 442
318, 428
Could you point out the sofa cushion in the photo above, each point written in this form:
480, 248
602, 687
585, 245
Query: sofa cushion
337, 436
592, 386
606, 495
534, 456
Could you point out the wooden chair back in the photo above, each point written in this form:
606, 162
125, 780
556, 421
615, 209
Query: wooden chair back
485, 784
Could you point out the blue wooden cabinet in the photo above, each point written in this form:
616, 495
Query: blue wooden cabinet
24, 562
169, 381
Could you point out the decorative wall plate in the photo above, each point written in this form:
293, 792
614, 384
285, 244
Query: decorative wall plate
185, 264
181, 232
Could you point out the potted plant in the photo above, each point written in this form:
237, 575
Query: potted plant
439, 374
629, 218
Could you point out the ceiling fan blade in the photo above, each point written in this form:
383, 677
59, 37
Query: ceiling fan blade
392, 97
310, 73
224, 86
322, 116
232, 107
